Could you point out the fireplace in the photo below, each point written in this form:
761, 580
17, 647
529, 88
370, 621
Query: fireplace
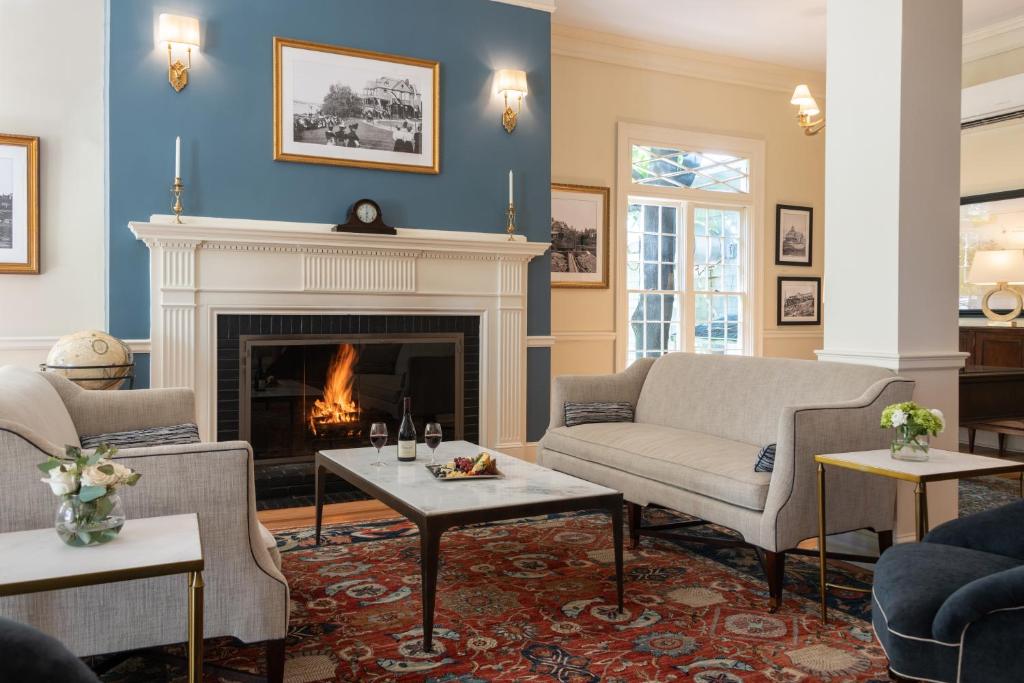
295, 384
302, 393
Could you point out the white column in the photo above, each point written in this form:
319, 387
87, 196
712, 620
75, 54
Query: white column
891, 199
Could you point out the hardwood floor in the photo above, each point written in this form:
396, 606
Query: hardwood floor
356, 511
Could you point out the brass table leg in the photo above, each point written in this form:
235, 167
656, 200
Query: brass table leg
195, 627
822, 559
921, 509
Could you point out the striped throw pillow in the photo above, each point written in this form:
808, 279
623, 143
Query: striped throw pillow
586, 413
766, 459
138, 438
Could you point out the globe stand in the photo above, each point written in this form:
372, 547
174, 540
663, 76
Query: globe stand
129, 373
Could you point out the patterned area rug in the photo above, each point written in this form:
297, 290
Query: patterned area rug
985, 493
533, 600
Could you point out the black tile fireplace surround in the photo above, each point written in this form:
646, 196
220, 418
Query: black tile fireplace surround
276, 484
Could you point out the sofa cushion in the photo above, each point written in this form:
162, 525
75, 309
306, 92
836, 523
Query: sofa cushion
28, 399
270, 543
742, 398
140, 438
701, 463
597, 411
765, 459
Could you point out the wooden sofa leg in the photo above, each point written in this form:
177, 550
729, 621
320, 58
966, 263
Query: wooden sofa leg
774, 565
275, 661
635, 514
884, 541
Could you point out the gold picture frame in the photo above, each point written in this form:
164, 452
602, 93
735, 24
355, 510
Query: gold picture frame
405, 117
19, 205
584, 211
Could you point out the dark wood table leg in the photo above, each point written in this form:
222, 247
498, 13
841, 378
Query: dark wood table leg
321, 476
971, 431
616, 512
430, 546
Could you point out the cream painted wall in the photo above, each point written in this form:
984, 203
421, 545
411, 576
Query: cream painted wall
589, 98
991, 68
54, 89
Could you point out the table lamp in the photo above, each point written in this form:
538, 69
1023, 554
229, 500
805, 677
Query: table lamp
1001, 268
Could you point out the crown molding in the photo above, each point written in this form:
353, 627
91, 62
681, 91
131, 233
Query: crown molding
541, 5
572, 41
994, 39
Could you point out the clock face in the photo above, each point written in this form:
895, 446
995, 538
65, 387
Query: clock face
366, 212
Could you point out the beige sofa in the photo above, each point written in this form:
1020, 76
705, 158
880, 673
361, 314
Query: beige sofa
246, 595
700, 421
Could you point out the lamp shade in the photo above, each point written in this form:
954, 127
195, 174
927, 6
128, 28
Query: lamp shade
810, 109
174, 28
998, 265
802, 96
511, 81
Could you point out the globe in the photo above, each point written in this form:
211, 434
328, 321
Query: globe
92, 359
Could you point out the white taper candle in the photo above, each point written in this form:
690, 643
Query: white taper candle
510, 188
177, 156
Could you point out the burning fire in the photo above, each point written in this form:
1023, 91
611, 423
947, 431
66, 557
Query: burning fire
338, 406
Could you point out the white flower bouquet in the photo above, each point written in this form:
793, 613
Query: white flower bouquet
87, 483
914, 426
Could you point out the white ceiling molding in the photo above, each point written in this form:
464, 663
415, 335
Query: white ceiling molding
994, 39
542, 5
571, 41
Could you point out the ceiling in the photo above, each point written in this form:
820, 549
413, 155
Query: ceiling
788, 32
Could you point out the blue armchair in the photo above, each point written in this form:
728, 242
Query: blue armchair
952, 607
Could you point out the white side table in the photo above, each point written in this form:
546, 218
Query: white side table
37, 560
940, 466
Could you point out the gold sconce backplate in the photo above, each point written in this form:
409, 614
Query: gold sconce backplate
509, 119
177, 75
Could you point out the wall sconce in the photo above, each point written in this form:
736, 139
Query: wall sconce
511, 82
808, 109
181, 31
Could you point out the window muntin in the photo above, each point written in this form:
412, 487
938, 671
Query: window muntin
674, 168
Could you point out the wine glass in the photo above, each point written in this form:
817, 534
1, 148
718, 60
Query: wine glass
378, 437
432, 435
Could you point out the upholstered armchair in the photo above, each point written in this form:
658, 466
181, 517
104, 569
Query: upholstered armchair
952, 608
246, 595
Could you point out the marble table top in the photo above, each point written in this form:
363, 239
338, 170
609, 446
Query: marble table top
941, 465
156, 546
523, 484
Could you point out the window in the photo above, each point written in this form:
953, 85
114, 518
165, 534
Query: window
690, 249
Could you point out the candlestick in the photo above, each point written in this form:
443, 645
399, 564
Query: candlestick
510, 202
176, 189
177, 156
510, 227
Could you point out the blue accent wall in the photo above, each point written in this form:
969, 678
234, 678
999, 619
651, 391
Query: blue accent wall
225, 120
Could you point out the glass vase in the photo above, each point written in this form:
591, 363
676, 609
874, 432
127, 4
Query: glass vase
80, 523
907, 446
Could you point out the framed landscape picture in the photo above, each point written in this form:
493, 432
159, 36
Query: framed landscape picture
799, 301
794, 232
19, 204
579, 236
348, 107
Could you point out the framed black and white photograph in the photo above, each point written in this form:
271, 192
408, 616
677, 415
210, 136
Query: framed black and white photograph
579, 236
799, 301
19, 204
794, 233
347, 107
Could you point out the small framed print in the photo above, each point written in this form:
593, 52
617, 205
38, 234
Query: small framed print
347, 107
19, 204
794, 235
799, 301
579, 236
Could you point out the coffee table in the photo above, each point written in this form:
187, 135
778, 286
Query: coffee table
436, 506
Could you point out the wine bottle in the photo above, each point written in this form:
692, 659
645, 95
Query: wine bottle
407, 433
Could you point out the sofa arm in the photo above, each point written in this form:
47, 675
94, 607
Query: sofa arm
101, 412
995, 531
974, 601
621, 386
855, 500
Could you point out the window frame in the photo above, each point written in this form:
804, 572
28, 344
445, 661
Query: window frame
750, 203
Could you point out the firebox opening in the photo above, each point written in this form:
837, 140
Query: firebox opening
304, 394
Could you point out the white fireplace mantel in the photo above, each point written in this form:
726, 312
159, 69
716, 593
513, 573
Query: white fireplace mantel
206, 267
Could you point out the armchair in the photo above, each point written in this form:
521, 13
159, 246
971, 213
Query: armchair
952, 607
246, 595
